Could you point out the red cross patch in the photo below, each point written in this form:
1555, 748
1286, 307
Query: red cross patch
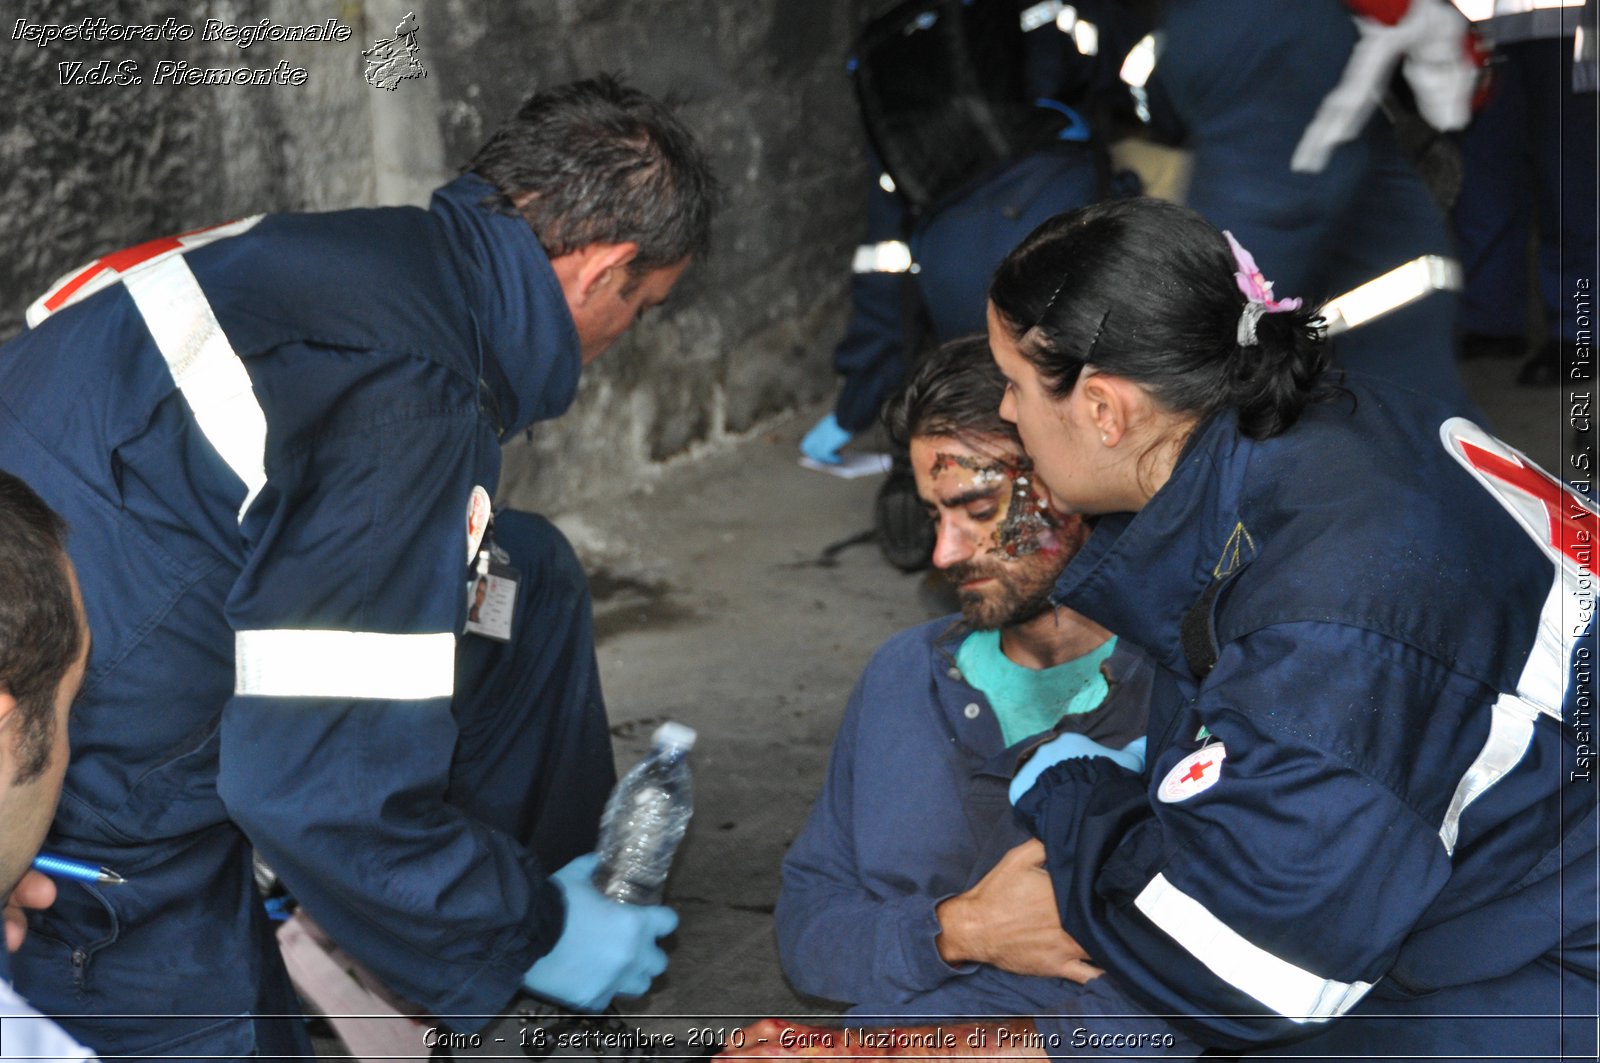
1560, 520
1196, 773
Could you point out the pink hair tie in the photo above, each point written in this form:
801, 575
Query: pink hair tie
1257, 292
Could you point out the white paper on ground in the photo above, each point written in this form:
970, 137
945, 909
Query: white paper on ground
850, 466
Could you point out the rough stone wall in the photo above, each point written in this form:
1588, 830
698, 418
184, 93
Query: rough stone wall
92, 168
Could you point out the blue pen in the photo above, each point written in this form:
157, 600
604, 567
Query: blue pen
61, 867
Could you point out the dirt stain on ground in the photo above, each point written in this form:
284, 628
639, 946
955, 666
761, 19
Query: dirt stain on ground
624, 602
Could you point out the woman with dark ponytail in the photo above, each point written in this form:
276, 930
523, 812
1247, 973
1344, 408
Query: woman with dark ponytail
1369, 789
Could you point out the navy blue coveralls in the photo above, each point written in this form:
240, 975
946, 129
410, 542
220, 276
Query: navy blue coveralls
914, 810
1532, 143
1244, 100
265, 437
957, 244
1380, 801
956, 249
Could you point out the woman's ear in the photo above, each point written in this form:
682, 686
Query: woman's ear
1110, 403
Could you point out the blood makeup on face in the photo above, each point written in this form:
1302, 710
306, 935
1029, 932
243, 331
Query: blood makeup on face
1023, 523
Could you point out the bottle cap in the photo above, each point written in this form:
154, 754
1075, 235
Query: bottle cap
677, 735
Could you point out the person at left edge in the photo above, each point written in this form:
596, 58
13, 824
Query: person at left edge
43, 648
276, 441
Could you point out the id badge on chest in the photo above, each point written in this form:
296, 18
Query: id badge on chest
492, 591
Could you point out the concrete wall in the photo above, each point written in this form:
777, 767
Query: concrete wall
91, 168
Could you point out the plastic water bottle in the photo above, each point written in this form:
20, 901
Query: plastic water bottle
645, 818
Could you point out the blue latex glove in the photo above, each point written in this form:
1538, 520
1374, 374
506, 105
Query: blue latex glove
822, 443
1071, 747
607, 948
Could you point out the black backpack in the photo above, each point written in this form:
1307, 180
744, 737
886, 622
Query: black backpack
942, 93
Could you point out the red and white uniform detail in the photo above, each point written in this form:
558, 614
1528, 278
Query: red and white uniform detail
109, 269
478, 510
1387, 12
203, 363
1194, 774
1426, 39
1564, 525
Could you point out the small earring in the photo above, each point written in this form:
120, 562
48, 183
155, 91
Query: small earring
1105, 438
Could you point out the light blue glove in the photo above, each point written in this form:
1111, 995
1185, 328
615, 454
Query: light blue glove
1071, 747
606, 949
822, 443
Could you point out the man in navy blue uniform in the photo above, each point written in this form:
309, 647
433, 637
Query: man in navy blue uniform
43, 649
1321, 227
1532, 143
930, 261
913, 815
276, 441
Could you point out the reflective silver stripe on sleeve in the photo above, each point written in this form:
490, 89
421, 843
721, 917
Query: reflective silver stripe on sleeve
1139, 63
1482, 10
1510, 733
1292, 992
291, 663
204, 366
1541, 688
1400, 287
1037, 16
890, 256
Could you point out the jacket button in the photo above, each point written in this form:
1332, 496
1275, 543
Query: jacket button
971, 711
954, 672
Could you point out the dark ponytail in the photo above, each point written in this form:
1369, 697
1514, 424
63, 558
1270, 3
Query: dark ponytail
1276, 379
1144, 289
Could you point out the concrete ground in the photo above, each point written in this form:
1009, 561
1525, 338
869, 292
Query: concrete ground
724, 600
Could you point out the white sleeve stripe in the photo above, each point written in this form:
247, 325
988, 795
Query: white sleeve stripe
1511, 723
1398, 288
285, 663
1291, 991
888, 256
1041, 14
204, 366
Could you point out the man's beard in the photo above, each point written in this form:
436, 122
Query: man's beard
1020, 592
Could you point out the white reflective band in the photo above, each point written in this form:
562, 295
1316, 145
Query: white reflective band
886, 182
1040, 15
78, 285
1140, 62
344, 664
1291, 991
1541, 688
890, 256
1086, 36
1510, 734
204, 366
1400, 287
1481, 10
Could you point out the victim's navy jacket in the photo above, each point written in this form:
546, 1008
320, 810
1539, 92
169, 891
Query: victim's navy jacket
913, 811
1379, 803
266, 438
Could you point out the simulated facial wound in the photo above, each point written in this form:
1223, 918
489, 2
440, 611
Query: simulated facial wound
998, 540
1022, 522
